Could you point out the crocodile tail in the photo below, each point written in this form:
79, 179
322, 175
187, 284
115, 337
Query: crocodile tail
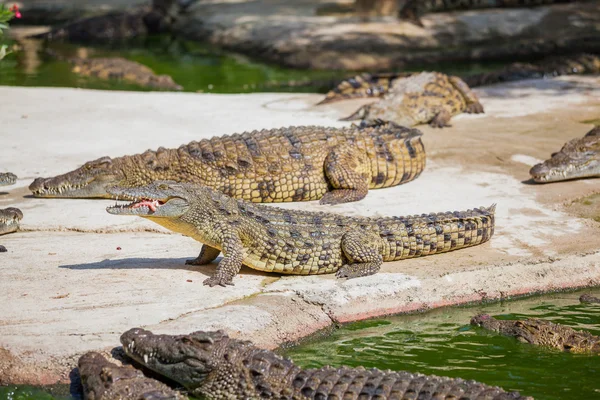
351, 383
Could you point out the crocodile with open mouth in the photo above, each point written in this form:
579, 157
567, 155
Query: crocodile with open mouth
9, 217
103, 380
213, 366
541, 333
578, 158
301, 163
426, 97
297, 242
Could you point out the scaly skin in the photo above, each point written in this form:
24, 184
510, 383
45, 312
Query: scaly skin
542, 333
377, 85
122, 69
213, 366
103, 380
9, 217
288, 164
297, 242
588, 298
578, 64
578, 158
426, 97
6, 179
413, 10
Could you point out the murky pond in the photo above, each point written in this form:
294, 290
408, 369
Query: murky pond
196, 67
442, 342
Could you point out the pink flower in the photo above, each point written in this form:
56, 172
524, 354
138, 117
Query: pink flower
15, 9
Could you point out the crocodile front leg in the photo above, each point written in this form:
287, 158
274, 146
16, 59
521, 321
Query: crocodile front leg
348, 173
363, 250
207, 255
441, 119
231, 263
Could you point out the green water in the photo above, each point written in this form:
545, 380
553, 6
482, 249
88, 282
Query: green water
197, 67
441, 342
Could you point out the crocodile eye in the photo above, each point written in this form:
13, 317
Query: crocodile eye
163, 186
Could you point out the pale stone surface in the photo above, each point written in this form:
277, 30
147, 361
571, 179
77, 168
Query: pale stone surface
66, 288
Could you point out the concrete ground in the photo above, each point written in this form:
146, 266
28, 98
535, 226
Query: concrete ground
74, 278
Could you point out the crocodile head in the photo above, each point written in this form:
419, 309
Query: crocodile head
486, 321
160, 199
9, 220
6, 178
186, 359
86, 181
578, 158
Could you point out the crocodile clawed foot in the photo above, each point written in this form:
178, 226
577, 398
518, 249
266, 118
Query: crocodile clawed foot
347, 272
474, 108
218, 280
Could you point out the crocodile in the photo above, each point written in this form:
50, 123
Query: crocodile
369, 85
214, 366
588, 298
287, 164
132, 23
122, 69
9, 217
426, 97
103, 380
296, 242
578, 158
7, 178
413, 10
549, 67
542, 333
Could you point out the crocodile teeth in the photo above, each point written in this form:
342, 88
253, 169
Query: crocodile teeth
146, 358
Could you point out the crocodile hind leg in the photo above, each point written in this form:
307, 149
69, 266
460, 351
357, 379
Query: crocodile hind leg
347, 171
363, 250
361, 113
207, 255
231, 263
473, 104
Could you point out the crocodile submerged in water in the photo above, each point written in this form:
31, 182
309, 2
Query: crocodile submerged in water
103, 380
287, 164
213, 366
578, 158
426, 97
297, 242
588, 298
132, 23
122, 69
378, 84
9, 217
413, 10
542, 333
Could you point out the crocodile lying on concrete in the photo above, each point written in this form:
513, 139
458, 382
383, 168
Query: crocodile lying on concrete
297, 242
287, 164
103, 380
426, 97
131, 23
578, 158
588, 298
413, 10
542, 333
376, 85
122, 69
9, 217
213, 366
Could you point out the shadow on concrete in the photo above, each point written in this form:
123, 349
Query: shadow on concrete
160, 263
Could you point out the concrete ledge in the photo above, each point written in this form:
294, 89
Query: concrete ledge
295, 36
75, 277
